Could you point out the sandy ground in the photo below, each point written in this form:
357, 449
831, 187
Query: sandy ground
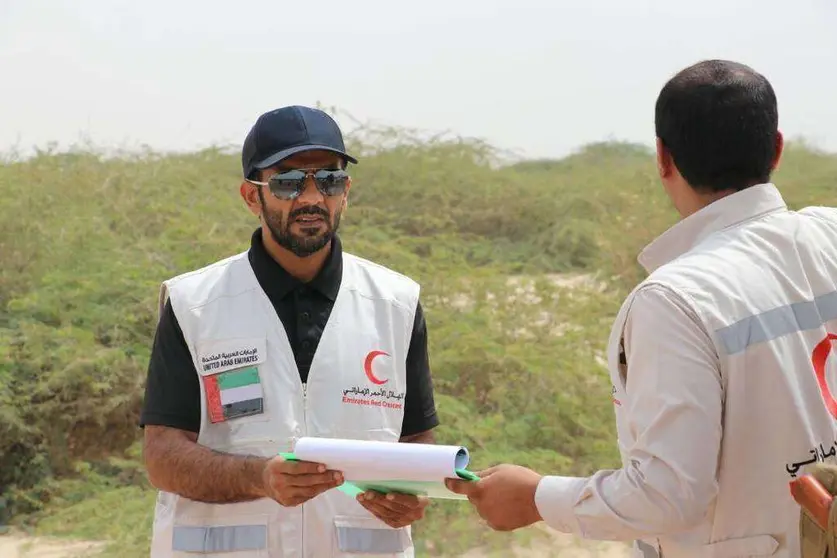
558, 545
20, 546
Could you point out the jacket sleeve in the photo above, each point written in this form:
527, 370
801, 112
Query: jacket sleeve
672, 413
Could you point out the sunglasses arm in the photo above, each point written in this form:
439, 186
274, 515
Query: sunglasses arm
256, 182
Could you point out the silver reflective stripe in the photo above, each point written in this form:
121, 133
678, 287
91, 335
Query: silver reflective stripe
371, 541
647, 550
226, 538
775, 323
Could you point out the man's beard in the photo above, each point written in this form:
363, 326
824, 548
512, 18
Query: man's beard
311, 240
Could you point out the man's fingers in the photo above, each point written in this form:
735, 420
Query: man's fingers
461, 486
380, 510
389, 515
330, 478
295, 482
301, 467
410, 501
401, 503
486, 472
398, 503
381, 501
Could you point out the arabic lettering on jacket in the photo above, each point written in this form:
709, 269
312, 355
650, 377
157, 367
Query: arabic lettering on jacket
817, 454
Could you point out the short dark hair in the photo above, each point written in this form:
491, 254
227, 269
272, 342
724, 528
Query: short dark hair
719, 120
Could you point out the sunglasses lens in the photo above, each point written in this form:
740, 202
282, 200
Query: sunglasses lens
286, 185
332, 182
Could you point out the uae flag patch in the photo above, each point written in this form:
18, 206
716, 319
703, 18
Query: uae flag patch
233, 394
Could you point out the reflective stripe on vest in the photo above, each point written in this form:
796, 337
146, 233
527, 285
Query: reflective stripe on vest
222, 538
770, 325
372, 541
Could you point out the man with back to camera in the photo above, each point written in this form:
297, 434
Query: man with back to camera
238, 370
717, 358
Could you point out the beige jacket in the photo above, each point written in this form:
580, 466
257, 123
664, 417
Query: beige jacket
720, 371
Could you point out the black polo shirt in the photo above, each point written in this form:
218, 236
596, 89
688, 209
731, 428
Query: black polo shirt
172, 392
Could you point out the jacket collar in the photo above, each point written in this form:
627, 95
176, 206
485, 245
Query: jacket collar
729, 211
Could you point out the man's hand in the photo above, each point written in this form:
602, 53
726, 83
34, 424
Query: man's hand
396, 510
295, 482
504, 496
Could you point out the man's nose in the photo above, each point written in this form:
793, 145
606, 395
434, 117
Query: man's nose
310, 194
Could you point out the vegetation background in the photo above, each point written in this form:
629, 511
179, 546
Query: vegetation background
523, 266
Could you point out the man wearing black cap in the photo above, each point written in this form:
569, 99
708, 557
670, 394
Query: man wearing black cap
292, 338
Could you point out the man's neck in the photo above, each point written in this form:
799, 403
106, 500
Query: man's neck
304, 269
704, 200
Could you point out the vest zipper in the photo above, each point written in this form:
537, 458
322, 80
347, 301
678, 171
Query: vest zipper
305, 433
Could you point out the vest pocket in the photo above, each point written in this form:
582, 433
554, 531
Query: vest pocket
239, 538
365, 536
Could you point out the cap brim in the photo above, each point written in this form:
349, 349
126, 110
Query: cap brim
284, 154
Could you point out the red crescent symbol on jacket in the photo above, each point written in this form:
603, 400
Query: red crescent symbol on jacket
367, 367
818, 358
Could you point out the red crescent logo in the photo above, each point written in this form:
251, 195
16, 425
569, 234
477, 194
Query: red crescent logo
818, 359
367, 367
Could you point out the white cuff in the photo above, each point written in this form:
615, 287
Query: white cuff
556, 498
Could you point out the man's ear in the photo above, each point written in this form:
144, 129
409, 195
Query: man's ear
780, 148
346, 193
665, 164
250, 195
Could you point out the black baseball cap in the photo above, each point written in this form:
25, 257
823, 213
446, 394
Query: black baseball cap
286, 131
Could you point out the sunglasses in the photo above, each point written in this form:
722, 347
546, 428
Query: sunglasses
290, 184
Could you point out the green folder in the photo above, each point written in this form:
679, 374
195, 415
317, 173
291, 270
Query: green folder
416, 488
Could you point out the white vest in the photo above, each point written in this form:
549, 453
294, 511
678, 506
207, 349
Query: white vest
229, 324
765, 337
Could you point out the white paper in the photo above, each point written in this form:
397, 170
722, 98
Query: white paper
366, 460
